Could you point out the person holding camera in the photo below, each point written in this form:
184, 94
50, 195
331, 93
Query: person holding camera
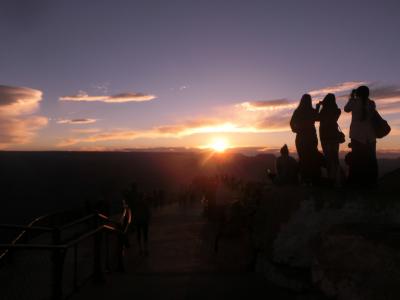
329, 134
363, 169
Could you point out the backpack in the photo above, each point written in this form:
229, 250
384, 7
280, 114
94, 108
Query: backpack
380, 126
341, 138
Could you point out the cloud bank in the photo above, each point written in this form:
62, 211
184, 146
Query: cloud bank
387, 98
338, 88
82, 96
179, 130
17, 124
262, 116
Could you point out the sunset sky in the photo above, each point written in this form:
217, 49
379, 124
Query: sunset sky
118, 74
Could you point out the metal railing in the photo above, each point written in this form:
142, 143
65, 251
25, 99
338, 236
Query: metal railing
56, 261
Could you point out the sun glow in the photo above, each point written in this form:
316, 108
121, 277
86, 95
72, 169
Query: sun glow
219, 145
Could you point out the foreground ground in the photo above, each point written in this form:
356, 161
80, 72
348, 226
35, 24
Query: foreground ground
182, 265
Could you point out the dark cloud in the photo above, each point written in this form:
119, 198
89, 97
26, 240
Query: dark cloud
77, 121
17, 124
385, 92
23, 95
269, 103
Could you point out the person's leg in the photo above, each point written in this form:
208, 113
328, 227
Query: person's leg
139, 228
332, 157
146, 237
373, 163
335, 162
358, 162
315, 159
303, 161
298, 146
327, 151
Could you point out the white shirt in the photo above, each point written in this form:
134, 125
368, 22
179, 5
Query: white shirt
361, 130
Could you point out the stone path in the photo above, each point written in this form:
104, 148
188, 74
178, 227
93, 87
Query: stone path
183, 265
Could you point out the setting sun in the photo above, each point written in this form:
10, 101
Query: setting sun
219, 145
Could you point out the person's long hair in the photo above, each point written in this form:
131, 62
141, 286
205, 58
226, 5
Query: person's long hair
305, 104
363, 94
329, 102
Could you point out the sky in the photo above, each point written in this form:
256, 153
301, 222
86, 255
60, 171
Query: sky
126, 74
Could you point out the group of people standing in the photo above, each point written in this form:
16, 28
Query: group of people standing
362, 161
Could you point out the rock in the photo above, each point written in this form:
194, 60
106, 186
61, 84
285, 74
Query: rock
292, 279
358, 264
317, 214
288, 231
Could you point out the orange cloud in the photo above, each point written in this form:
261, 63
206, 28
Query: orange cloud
82, 96
85, 130
186, 128
19, 131
190, 127
245, 117
17, 124
100, 137
236, 119
275, 122
267, 105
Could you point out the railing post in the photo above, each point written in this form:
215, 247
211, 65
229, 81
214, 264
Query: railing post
107, 245
58, 266
120, 250
97, 249
75, 267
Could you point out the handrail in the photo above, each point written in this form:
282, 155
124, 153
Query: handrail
25, 227
62, 246
58, 250
67, 245
22, 233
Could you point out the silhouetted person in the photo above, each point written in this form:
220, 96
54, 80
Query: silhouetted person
363, 167
210, 196
161, 197
287, 168
329, 134
141, 220
132, 196
303, 124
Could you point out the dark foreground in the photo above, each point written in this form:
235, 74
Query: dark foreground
183, 265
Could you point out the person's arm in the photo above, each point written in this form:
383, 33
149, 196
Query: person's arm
318, 111
338, 113
373, 104
316, 115
294, 121
318, 107
349, 105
